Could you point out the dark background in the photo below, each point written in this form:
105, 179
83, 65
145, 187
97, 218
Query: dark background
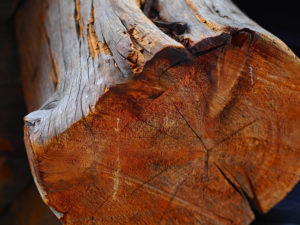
282, 18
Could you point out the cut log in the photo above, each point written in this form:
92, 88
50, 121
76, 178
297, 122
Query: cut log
136, 124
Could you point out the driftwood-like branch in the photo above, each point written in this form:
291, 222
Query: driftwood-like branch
134, 123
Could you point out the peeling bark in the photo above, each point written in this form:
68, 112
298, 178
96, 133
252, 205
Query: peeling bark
147, 125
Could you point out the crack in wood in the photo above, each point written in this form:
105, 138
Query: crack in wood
78, 20
233, 134
173, 29
178, 186
150, 189
187, 123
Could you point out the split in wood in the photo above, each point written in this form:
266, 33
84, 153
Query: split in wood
149, 129
170, 28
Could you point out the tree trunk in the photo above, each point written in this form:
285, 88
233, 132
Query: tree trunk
139, 122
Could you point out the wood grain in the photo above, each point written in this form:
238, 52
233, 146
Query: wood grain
135, 126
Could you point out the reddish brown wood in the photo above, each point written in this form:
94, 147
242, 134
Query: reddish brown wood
135, 126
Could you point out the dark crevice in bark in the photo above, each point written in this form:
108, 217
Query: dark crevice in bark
91, 34
223, 39
172, 29
176, 29
133, 40
147, 7
77, 19
200, 53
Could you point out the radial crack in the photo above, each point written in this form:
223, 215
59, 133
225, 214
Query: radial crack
197, 135
234, 133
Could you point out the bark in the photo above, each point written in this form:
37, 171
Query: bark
136, 124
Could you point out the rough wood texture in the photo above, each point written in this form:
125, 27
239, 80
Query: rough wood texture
135, 126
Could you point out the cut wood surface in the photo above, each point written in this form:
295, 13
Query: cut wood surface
136, 124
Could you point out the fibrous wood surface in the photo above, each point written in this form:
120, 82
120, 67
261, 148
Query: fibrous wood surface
136, 126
